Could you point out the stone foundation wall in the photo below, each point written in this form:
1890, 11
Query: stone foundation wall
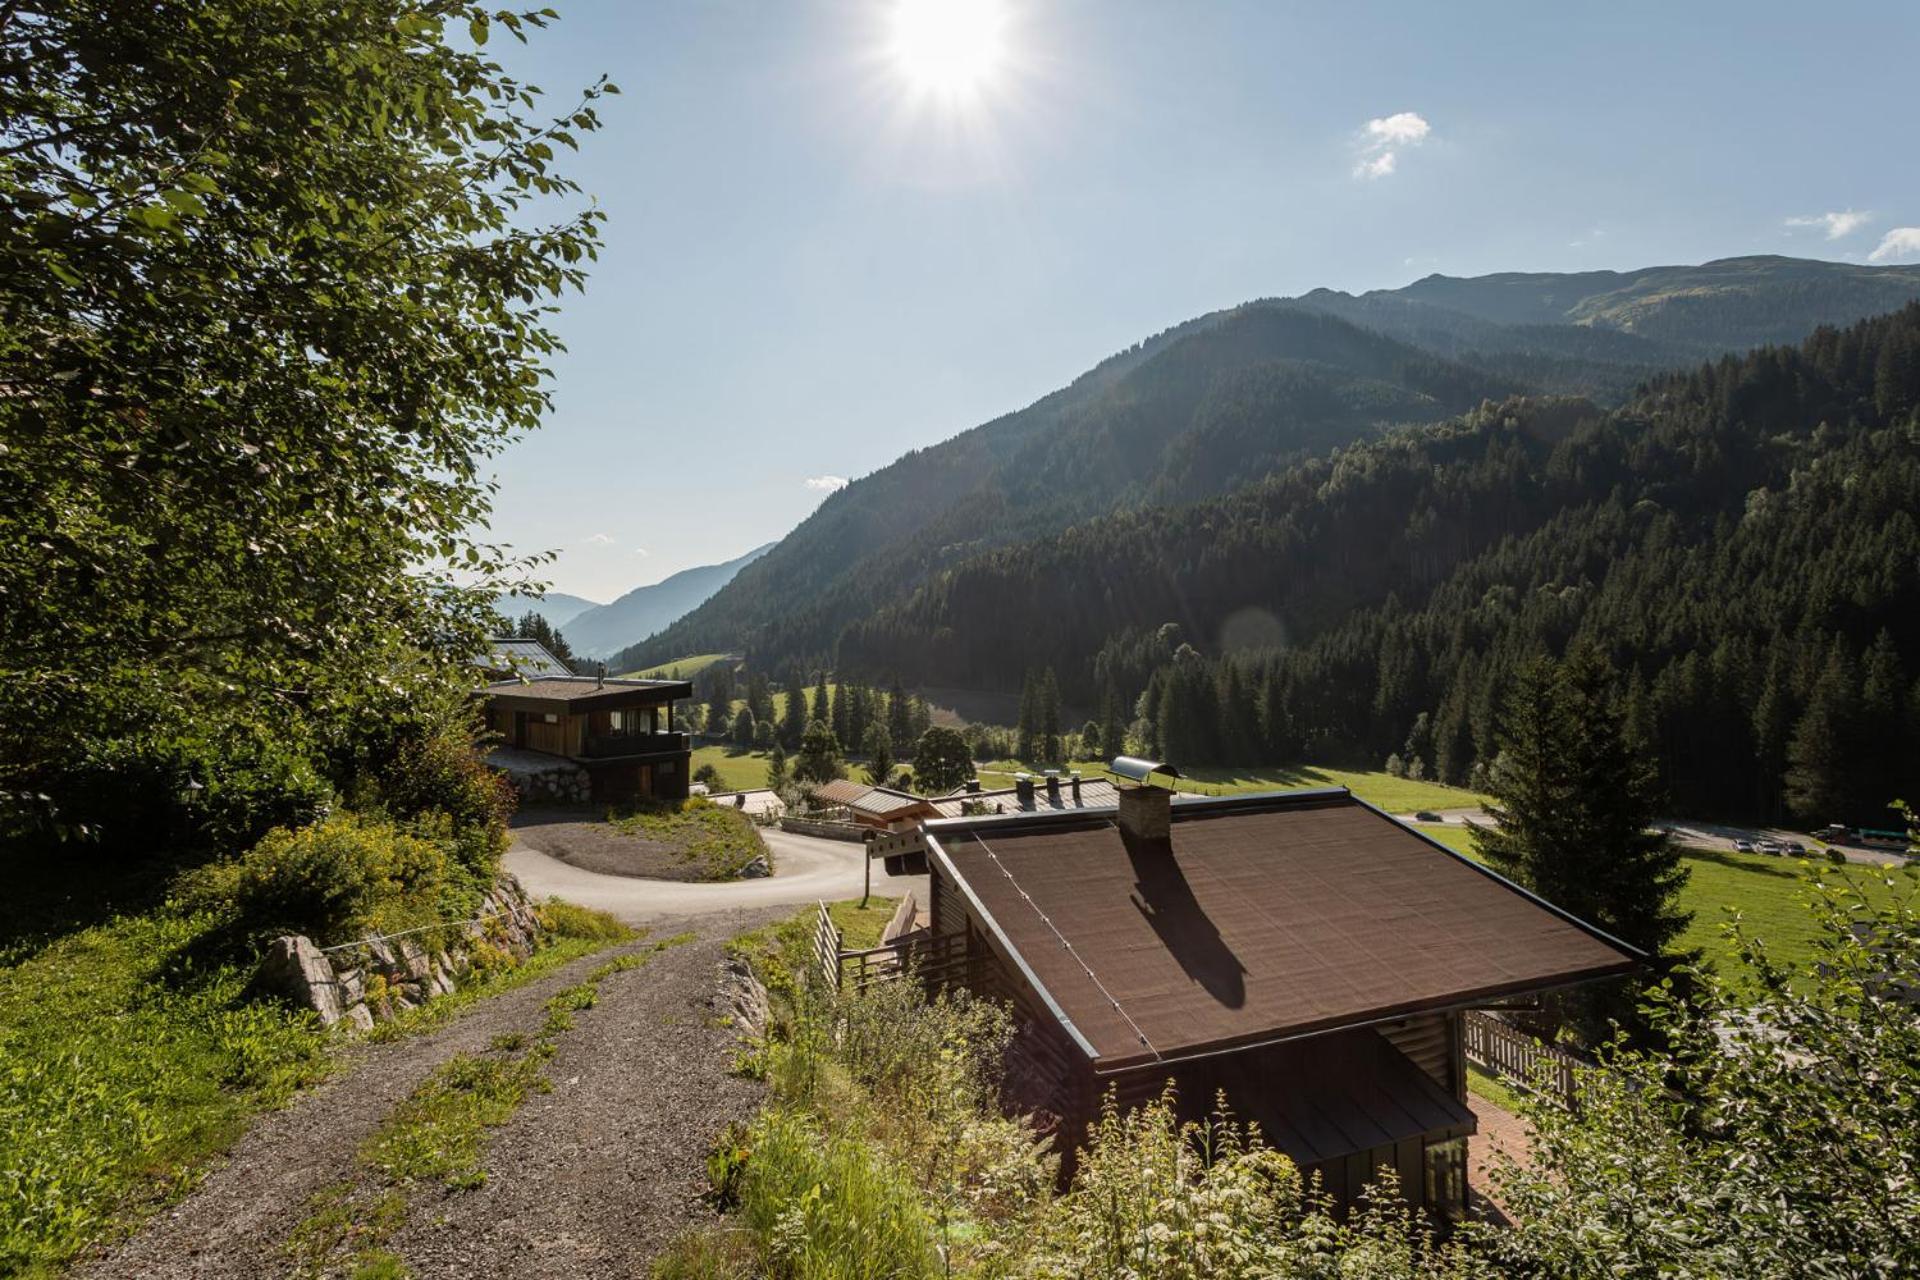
375, 980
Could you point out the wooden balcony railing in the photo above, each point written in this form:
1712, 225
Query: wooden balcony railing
608, 745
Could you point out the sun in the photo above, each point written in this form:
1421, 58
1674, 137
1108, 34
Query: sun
949, 47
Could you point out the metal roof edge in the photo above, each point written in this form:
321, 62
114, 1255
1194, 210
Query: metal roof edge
999, 935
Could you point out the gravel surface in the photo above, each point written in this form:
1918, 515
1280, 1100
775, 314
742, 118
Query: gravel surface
589, 1180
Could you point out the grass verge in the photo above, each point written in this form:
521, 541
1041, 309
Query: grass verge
128, 1057
716, 839
1772, 896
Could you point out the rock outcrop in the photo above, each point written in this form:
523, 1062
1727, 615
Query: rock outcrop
372, 980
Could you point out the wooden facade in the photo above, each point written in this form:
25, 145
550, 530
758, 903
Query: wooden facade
620, 731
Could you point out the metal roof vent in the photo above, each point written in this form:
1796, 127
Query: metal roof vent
1023, 789
1139, 771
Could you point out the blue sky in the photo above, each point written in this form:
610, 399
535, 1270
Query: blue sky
814, 263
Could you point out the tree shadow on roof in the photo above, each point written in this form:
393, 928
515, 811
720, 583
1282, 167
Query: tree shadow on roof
1166, 900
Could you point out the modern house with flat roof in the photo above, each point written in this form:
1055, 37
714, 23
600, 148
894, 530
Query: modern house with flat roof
1301, 952
619, 731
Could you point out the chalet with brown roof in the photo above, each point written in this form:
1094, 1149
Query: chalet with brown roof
1300, 951
620, 731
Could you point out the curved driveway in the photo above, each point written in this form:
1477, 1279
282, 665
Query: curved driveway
806, 869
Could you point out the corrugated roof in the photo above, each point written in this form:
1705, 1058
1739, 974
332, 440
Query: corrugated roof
527, 658
878, 801
1261, 918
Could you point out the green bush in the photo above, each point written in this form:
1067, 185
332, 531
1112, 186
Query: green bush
565, 920
332, 881
443, 774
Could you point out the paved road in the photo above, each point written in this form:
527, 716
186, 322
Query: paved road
806, 869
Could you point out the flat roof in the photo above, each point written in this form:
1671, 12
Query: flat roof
585, 692
1262, 918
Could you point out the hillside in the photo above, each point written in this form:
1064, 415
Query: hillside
1205, 408
605, 629
1740, 539
557, 607
1226, 399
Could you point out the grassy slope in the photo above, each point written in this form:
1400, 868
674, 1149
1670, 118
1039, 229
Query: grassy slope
678, 669
128, 1056
1771, 895
741, 771
717, 838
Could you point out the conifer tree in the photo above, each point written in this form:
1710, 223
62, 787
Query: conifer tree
1027, 730
899, 714
837, 716
879, 753
859, 713
793, 716
777, 777
822, 708
745, 728
1819, 781
1047, 717
1574, 806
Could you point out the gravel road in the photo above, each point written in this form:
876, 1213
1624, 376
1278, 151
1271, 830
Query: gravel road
805, 869
588, 1180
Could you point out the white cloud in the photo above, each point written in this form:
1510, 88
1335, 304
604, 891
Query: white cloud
1836, 224
597, 540
1384, 138
1378, 167
1403, 129
1898, 244
827, 484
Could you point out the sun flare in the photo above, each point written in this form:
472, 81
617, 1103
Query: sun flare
948, 46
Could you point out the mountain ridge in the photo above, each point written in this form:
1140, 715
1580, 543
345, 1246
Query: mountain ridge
605, 629
1214, 403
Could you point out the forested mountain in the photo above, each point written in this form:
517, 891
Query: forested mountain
604, 629
1742, 540
1223, 400
1199, 410
557, 607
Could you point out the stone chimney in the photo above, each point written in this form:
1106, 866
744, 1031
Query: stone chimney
973, 786
1146, 812
1074, 779
1023, 790
1053, 788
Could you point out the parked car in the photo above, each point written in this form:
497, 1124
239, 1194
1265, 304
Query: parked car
1793, 848
1743, 846
1773, 847
1428, 815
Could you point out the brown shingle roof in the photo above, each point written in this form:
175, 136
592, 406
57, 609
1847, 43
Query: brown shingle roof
1261, 918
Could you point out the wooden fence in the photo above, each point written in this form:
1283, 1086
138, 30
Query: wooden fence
934, 960
1503, 1049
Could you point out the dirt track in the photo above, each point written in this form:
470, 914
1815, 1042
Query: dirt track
588, 1180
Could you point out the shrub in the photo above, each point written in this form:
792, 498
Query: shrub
330, 881
565, 920
443, 774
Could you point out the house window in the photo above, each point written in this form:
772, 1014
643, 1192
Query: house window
1447, 1177
619, 721
551, 718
